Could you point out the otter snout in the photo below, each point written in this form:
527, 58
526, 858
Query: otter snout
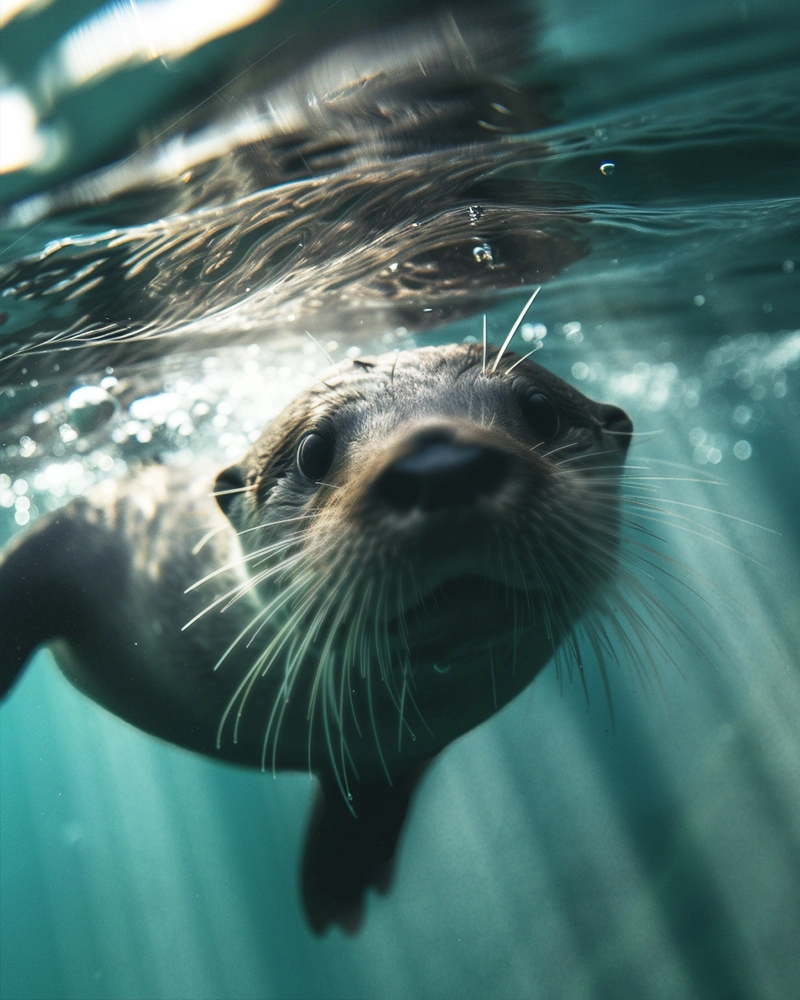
438, 472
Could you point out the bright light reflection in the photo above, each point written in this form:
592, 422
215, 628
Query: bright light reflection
127, 32
10, 8
21, 142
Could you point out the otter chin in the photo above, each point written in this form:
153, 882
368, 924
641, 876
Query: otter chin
397, 556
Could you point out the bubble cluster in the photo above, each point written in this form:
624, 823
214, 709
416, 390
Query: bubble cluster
733, 386
58, 447
217, 406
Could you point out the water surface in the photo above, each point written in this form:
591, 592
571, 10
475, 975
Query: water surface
550, 853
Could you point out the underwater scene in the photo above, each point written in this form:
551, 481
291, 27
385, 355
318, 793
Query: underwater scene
399, 500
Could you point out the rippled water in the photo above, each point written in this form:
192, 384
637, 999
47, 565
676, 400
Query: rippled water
549, 854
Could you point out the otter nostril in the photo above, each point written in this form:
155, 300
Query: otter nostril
442, 474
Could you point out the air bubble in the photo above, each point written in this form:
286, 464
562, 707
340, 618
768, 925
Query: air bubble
90, 406
697, 436
533, 331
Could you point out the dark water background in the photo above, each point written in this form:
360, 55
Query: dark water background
547, 856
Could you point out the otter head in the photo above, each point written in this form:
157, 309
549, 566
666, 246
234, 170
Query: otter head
425, 531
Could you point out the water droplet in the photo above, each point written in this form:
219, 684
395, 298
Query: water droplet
743, 450
475, 212
607, 168
483, 254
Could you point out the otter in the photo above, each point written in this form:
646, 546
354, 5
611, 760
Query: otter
397, 556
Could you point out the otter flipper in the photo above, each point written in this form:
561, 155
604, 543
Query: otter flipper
344, 854
26, 612
43, 576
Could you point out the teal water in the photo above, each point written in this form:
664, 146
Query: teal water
549, 854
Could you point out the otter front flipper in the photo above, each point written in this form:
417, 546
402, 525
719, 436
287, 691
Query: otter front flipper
46, 579
345, 855
29, 611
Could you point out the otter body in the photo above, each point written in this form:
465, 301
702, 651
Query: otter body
396, 557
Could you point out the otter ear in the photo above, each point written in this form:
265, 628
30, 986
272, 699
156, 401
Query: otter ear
229, 485
618, 424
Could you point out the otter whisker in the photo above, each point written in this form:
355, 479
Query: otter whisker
669, 519
251, 674
523, 358
327, 355
716, 513
294, 660
494, 679
272, 524
329, 693
561, 447
242, 589
274, 547
514, 329
707, 538
285, 633
684, 466
617, 467
599, 655
273, 571
264, 614
403, 689
208, 536
238, 489
320, 674
354, 633
673, 479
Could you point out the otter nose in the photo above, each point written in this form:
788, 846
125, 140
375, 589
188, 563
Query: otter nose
440, 473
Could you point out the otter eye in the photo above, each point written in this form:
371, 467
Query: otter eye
542, 414
314, 456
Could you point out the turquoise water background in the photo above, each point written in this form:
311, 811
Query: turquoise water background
549, 854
